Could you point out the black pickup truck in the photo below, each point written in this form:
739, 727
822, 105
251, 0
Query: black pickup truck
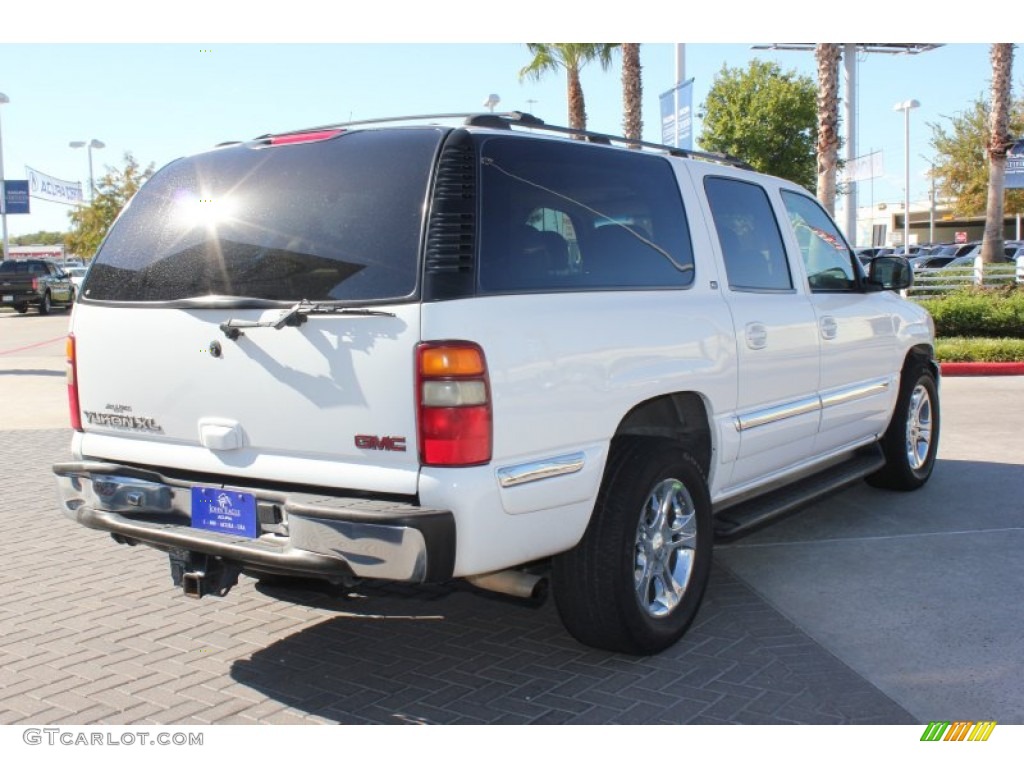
35, 282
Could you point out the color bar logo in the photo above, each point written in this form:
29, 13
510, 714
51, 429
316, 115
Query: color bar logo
961, 730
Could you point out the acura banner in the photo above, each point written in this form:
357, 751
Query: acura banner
55, 190
1014, 178
676, 116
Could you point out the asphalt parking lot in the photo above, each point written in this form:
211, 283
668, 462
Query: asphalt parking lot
868, 607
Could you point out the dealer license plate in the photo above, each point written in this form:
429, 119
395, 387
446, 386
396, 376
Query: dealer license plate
8, 297
230, 512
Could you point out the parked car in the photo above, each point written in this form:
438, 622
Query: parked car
907, 253
968, 259
924, 263
38, 283
77, 274
485, 351
956, 250
874, 251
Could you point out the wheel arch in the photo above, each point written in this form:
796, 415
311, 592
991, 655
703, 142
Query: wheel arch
921, 355
679, 416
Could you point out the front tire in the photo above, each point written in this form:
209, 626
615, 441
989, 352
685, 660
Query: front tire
911, 441
635, 581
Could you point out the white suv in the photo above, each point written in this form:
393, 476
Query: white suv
425, 352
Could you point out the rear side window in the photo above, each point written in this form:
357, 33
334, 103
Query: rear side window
561, 215
339, 219
755, 258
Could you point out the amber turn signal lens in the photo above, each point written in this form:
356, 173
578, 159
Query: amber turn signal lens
451, 361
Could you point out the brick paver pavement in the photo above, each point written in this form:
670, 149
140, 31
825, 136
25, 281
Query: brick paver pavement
93, 632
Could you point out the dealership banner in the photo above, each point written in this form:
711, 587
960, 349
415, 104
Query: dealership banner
1015, 166
864, 168
16, 196
55, 190
681, 116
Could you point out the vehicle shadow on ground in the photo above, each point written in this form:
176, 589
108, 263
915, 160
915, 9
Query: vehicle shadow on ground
451, 655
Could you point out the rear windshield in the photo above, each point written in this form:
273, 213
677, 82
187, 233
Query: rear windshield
23, 268
329, 220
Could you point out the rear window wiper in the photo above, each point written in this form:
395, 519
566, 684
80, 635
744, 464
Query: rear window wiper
296, 316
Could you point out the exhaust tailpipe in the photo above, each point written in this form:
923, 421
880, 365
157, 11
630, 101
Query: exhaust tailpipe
527, 586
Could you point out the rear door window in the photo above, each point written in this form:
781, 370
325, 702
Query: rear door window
560, 215
755, 258
339, 219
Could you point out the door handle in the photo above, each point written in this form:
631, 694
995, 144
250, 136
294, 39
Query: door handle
829, 327
757, 335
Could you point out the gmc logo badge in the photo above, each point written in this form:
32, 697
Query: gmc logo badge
374, 443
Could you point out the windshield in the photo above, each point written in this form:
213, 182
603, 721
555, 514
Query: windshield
328, 220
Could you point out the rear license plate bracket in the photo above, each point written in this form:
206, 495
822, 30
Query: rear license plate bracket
223, 511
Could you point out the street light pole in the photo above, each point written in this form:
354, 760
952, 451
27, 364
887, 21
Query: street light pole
905, 107
931, 199
3, 185
94, 144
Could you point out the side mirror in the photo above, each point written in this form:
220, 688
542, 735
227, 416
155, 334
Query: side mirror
890, 273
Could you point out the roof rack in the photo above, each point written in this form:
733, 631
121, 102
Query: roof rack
506, 120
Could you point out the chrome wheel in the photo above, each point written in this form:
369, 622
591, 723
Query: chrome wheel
919, 427
666, 539
635, 581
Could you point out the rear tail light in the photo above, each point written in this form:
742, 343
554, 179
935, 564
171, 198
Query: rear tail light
453, 404
35, 283
72, 376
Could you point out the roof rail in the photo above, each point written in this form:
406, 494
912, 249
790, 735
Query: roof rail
527, 120
467, 116
506, 120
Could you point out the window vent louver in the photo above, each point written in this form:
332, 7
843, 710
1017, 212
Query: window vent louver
451, 233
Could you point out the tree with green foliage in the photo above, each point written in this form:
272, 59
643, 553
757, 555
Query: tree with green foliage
764, 116
961, 166
39, 238
89, 223
572, 57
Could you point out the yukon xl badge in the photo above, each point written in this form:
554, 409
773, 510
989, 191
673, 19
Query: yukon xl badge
374, 443
123, 418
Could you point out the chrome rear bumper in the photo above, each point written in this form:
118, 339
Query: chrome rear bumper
300, 533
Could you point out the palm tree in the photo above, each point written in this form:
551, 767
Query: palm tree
572, 57
632, 92
827, 56
999, 143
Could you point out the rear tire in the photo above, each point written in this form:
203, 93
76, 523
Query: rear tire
911, 441
44, 304
21, 309
635, 581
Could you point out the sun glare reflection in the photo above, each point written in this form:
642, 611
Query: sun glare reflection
205, 212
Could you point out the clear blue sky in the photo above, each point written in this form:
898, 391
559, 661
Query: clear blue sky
167, 97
